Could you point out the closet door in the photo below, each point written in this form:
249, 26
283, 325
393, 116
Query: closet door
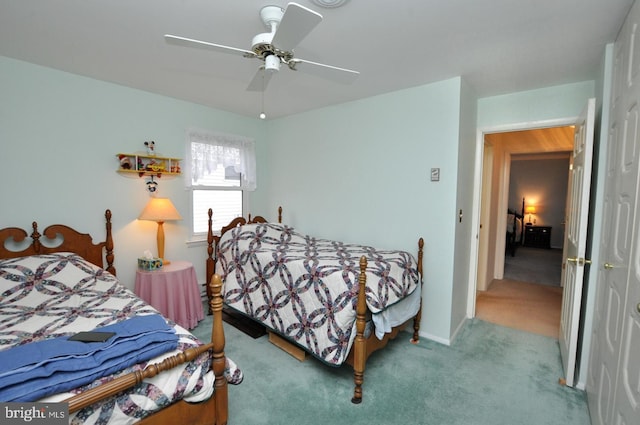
627, 406
613, 386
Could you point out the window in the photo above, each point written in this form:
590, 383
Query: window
220, 169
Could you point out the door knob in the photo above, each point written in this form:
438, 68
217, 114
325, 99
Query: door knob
638, 307
578, 261
608, 266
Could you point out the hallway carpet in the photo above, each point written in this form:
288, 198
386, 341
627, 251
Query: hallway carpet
535, 265
520, 305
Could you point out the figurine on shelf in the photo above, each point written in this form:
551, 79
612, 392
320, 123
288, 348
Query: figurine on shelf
154, 166
151, 147
125, 162
152, 186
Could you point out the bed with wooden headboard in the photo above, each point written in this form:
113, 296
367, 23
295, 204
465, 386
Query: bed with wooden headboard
338, 302
59, 284
515, 229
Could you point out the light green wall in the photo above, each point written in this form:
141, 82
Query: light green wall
550, 103
59, 134
360, 172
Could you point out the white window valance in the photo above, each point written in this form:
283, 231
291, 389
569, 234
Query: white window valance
207, 150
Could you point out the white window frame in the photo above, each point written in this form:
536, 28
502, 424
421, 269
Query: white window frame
203, 158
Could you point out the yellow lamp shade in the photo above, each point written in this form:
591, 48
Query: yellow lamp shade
160, 209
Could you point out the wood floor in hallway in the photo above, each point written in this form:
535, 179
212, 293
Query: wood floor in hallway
525, 306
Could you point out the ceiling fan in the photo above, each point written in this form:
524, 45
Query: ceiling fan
288, 27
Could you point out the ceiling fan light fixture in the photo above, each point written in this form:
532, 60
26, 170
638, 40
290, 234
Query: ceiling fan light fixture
272, 63
329, 4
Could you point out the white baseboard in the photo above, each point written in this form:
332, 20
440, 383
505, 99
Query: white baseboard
445, 341
434, 338
458, 329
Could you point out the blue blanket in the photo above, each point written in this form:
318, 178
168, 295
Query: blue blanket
32, 371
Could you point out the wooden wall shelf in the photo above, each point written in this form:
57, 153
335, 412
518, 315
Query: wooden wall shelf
137, 165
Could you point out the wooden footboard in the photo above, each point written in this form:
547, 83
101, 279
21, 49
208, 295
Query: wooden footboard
211, 412
363, 347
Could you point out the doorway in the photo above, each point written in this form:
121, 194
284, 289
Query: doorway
517, 301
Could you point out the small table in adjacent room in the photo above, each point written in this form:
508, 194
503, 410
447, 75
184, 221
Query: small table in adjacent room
173, 291
537, 236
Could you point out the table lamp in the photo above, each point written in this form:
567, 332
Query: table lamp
531, 209
160, 210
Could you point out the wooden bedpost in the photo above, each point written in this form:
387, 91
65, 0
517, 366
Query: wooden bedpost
521, 227
109, 244
210, 262
35, 235
360, 348
280, 215
219, 361
416, 320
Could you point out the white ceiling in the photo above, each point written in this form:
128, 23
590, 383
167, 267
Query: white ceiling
498, 46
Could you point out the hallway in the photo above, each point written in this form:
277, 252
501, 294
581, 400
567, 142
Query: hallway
525, 306
529, 298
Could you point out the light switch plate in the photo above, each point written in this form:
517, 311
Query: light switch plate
435, 174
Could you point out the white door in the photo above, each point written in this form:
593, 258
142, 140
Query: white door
627, 403
608, 313
485, 211
576, 238
613, 385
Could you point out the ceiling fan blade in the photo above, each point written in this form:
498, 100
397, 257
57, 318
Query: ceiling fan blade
260, 80
329, 72
297, 22
189, 42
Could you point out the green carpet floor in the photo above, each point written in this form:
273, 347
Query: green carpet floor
491, 375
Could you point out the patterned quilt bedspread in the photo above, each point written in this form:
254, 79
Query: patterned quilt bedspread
56, 295
305, 288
